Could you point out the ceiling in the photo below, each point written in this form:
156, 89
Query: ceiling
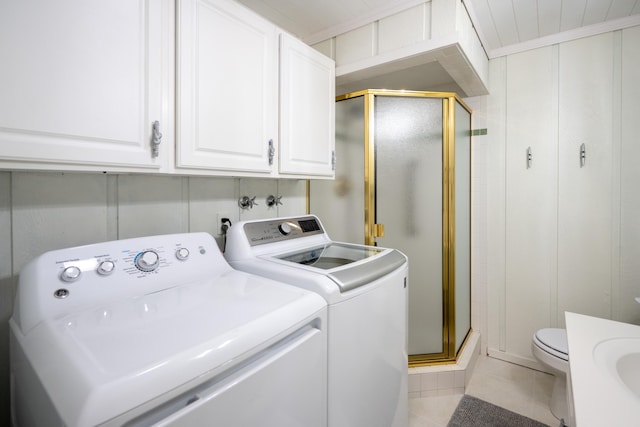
503, 26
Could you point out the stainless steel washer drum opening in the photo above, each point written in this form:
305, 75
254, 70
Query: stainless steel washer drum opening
334, 255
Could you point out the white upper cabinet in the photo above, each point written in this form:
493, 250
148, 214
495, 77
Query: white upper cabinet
246, 106
82, 83
307, 110
227, 88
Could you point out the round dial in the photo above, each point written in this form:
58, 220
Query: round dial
106, 267
147, 261
285, 228
182, 254
70, 274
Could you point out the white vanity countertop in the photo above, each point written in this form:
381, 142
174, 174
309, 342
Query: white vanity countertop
599, 397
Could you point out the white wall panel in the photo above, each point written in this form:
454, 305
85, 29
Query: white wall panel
56, 210
294, 197
260, 189
629, 310
209, 199
152, 205
404, 28
6, 292
531, 195
355, 45
585, 198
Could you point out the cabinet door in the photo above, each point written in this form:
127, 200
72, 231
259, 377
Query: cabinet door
585, 198
531, 195
307, 110
227, 87
82, 82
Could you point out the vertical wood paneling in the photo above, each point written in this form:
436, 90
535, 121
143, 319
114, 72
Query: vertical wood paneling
629, 310
151, 205
56, 210
585, 193
210, 197
531, 195
260, 188
6, 293
294, 197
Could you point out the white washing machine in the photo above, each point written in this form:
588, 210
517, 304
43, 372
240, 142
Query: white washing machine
366, 289
162, 331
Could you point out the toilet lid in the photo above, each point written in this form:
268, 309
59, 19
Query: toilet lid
555, 339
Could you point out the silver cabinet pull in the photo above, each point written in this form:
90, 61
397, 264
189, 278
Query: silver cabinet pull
583, 155
333, 160
156, 139
271, 152
529, 157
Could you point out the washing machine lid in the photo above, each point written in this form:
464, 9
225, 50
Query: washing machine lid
104, 361
348, 265
555, 339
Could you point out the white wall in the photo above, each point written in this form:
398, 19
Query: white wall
562, 239
45, 211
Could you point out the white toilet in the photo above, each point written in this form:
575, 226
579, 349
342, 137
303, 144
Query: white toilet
551, 349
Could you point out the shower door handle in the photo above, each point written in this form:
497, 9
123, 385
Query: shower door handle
378, 230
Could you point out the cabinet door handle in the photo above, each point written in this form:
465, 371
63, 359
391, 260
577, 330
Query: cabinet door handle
156, 139
333, 160
271, 152
529, 157
583, 155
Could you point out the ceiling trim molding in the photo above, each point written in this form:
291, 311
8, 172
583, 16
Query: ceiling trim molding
368, 18
578, 33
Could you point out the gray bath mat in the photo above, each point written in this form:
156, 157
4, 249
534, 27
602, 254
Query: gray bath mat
473, 412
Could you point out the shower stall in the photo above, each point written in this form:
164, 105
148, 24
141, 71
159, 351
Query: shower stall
403, 180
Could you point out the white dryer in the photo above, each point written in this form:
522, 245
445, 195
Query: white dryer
162, 331
366, 289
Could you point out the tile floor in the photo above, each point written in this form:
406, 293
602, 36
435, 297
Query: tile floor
510, 386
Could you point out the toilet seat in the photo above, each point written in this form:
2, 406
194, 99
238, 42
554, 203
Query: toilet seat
553, 341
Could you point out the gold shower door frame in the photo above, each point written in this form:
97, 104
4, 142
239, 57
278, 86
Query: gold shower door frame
373, 229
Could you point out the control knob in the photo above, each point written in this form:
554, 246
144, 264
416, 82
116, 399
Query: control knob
106, 267
70, 274
147, 261
182, 254
285, 228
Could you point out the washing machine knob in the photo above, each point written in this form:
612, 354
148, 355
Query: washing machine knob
147, 261
70, 274
182, 254
106, 267
285, 228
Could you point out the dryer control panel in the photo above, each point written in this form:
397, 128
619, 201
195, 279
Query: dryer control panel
278, 230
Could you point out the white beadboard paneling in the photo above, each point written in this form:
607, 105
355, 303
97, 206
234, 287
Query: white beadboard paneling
261, 189
502, 12
402, 29
151, 205
210, 197
294, 197
549, 16
595, 12
621, 8
572, 14
56, 210
526, 14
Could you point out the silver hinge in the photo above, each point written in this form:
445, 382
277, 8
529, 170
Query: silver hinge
271, 152
156, 139
333, 160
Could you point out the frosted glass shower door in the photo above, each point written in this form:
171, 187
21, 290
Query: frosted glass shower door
409, 188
